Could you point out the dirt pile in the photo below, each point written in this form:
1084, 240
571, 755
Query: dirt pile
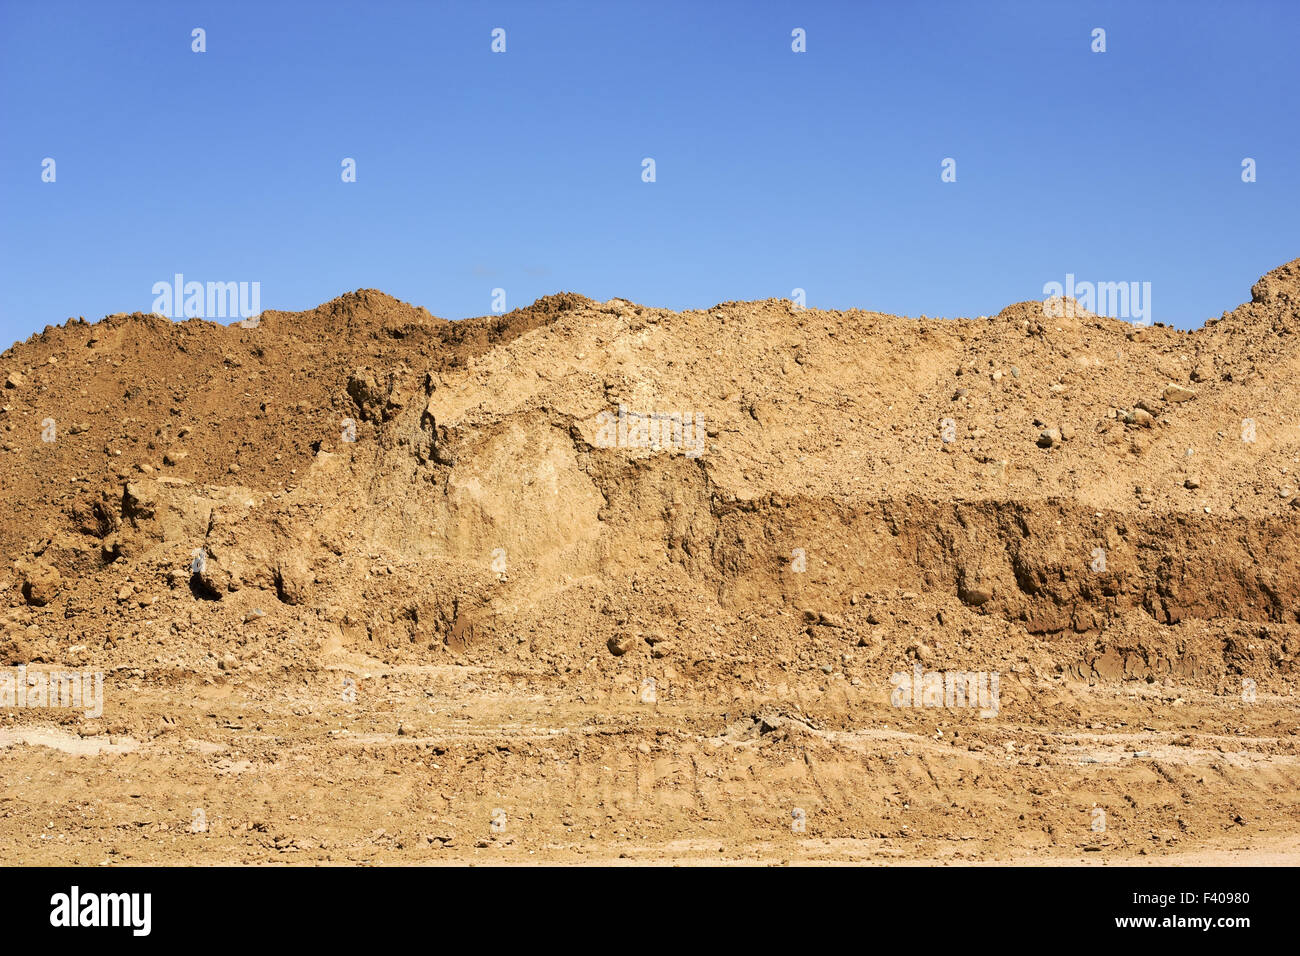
760, 511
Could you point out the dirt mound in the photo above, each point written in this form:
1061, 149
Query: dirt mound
747, 506
1279, 289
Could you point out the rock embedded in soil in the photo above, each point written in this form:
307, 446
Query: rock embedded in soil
41, 585
620, 644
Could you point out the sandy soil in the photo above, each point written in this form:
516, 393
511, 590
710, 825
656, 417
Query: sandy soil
368, 586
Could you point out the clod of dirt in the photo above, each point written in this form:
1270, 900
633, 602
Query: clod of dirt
41, 585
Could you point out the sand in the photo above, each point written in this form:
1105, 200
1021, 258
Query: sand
599, 582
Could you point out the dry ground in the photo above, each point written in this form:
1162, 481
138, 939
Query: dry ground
369, 586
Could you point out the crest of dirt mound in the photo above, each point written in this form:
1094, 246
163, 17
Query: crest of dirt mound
404, 484
86, 406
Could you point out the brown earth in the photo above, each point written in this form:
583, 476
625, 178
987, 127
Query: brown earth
368, 585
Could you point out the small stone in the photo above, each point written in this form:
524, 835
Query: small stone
1139, 416
1049, 438
41, 585
174, 458
15, 380
620, 644
139, 500
293, 579
1178, 393
1192, 482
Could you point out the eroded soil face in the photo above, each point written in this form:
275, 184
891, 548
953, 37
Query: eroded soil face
600, 582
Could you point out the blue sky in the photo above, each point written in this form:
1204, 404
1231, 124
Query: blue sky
523, 170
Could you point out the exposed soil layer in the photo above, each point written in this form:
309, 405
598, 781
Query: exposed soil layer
368, 585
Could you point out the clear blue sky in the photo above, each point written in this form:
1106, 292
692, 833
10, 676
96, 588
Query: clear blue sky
522, 170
